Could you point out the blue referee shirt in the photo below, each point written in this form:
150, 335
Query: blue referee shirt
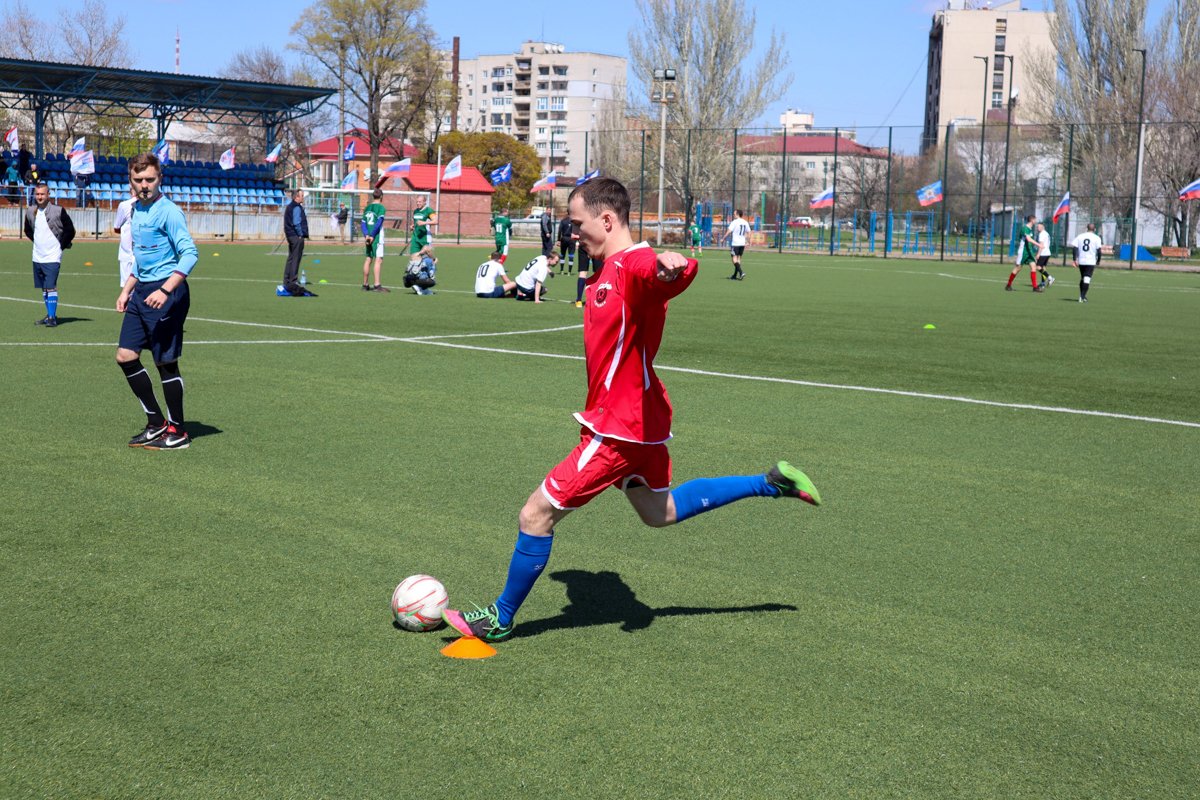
161, 242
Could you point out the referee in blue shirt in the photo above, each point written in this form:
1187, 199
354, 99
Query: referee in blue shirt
155, 303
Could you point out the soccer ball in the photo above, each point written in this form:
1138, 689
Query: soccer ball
418, 602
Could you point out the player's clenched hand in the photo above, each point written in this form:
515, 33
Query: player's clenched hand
669, 265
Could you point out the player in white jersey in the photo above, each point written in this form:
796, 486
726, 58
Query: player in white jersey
1043, 255
125, 258
531, 281
486, 275
739, 229
1086, 255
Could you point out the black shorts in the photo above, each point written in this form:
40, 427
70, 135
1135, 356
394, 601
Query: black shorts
523, 294
1043, 261
737, 249
160, 329
567, 247
1086, 270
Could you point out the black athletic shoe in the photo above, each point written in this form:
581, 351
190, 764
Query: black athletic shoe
1008, 288
148, 435
49, 322
173, 439
366, 288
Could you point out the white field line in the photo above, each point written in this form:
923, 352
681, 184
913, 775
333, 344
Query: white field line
438, 341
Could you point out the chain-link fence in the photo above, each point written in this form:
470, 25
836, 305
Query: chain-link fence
859, 191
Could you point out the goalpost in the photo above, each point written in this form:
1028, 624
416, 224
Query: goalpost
321, 206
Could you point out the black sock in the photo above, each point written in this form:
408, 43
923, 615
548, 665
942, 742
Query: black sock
143, 390
172, 384
579, 284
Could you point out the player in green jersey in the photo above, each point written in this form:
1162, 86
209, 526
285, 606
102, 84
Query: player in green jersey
423, 218
372, 231
502, 229
1027, 249
695, 233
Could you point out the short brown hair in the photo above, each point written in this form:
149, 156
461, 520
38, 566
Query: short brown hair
143, 160
377, 194
604, 194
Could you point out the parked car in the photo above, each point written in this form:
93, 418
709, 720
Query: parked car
800, 222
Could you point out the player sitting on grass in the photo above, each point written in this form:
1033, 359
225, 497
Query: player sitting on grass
627, 417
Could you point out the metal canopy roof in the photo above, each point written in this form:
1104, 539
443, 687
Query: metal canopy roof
42, 84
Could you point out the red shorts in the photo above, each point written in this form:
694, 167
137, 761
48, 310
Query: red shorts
599, 462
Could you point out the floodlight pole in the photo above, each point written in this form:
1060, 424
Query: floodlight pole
1137, 179
982, 139
1007, 133
662, 96
341, 161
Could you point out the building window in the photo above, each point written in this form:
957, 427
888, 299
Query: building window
998, 66
997, 80
483, 88
560, 70
543, 86
1001, 26
541, 133
541, 147
595, 72
810, 165
542, 115
497, 102
1000, 44
558, 104
997, 99
498, 72
593, 88
543, 70
497, 119
508, 119
542, 104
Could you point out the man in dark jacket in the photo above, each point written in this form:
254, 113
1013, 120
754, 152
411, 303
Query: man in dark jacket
566, 245
50, 229
547, 231
295, 228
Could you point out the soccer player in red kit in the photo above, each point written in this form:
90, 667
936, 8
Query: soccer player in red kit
626, 421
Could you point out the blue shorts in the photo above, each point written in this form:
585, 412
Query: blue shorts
497, 292
45, 276
160, 329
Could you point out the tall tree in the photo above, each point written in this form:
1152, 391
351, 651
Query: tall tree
383, 49
718, 87
266, 65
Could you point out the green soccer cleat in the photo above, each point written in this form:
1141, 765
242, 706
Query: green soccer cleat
791, 482
482, 623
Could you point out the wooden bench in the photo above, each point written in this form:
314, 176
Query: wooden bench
1107, 249
1175, 252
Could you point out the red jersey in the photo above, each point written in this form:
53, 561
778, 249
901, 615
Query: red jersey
622, 328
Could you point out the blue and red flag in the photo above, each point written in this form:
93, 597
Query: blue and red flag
546, 184
928, 195
398, 168
1191, 191
78, 147
584, 179
162, 151
273, 156
502, 174
348, 153
1064, 207
823, 200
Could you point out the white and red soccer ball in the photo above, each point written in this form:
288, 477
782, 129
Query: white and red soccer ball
418, 602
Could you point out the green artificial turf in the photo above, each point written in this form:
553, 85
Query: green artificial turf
994, 601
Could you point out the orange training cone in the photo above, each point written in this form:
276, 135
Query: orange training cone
468, 647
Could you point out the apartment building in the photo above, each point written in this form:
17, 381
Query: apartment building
541, 95
958, 85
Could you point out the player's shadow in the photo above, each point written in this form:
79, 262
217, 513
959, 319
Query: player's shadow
602, 598
197, 429
69, 320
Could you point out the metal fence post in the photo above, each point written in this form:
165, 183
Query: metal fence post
642, 188
945, 190
781, 229
833, 226
1070, 158
735, 148
887, 201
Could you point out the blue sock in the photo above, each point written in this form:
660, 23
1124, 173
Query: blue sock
528, 562
51, 298
704, 494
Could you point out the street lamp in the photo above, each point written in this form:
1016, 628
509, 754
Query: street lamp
982, 138
1137, 179
663, 92
1012, 101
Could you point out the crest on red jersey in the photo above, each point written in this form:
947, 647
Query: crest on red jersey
602, 294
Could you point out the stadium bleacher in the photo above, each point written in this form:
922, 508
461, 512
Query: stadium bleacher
183, 181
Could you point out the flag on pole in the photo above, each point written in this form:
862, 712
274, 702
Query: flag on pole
351, 180
1064, 207
823, 200
78, 147
398, 168
273, 156
1189, 192
546, 184
348, 153
10, 138
453, 169
226, 161
162, 151
83, 162
928, 195
502, 174
593, 174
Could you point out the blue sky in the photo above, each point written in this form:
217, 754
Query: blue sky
852, 62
